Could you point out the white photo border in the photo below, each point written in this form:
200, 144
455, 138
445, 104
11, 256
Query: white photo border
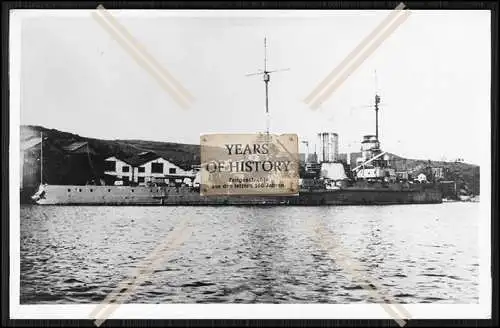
482, 310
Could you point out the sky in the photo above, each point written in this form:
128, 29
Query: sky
432, 73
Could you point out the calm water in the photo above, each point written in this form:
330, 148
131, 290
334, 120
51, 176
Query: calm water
410, 253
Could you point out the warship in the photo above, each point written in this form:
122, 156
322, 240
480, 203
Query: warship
371, 180
323, 182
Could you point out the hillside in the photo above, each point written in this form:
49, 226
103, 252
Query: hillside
466, 175
183, 155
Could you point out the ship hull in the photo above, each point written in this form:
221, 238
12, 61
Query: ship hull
141, 195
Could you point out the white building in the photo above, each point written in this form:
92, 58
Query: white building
159, 170
146, 168
421, 178
118, 168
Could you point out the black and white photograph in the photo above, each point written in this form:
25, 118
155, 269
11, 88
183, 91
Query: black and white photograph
378, 205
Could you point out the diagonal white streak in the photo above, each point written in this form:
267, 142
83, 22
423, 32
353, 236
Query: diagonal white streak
349, 69
145, 53
145, 269
353, 53
363, 50
347, 262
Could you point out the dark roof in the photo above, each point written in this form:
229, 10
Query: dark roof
147, 156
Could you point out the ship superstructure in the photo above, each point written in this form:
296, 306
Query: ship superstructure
372, 166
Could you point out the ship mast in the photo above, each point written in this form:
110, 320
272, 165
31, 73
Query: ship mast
266, 78
377, 101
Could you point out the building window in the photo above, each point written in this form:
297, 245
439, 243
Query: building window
125, 169
156, 167
110, 166
142, 169
125, 179
140, 179
171, 170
